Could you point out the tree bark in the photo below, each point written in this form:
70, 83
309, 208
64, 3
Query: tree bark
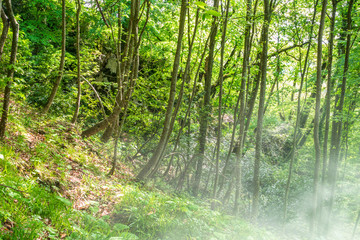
134, 49
76, 113
327, 111
259, 127
62, 60
299, 116
11, 71
336, 129
185, 78
317, 118
206, 108
221, 78
292, 157
356, 224
242, 97
5, 30
169, 109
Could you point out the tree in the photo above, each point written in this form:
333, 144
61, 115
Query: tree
206, 107
11, 69
242, 98
129, 68
336, 128
327, 110
317, 116
221, 78
162, 142
62, 60
268, 6
76, 113
4, 33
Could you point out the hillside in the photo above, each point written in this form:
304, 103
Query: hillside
179, 119
54, 185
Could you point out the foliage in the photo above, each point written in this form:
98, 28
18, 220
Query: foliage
54, 183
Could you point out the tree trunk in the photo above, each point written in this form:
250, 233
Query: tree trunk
259, 127
62, 60
129, 60
317, 118
76, 113
134, 45
356, 224
327, 111
292, 157
336, 129
187, 114
169, 109
185, 78
5, 30
11, 71
221, 78
206, 108
125, 59
242, 97
299, 115
113, 164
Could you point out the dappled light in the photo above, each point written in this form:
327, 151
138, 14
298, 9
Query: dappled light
147, 119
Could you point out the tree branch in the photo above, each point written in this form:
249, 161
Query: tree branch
102, 14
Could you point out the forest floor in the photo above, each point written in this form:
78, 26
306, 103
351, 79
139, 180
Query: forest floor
54, 185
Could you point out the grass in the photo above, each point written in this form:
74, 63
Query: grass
54, 186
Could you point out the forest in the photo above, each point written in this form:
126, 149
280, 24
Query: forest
180, 119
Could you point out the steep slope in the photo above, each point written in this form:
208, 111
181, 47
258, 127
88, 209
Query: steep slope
54, 185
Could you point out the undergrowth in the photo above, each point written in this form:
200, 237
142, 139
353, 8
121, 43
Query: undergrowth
53, 185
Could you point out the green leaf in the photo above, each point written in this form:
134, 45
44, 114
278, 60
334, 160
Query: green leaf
120, 227
64, 200
214, 13
201, 5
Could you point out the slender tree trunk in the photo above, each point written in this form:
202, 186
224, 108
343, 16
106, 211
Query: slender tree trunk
221, 78
242, 96
336, 129
356, 224
113, 165
305, 112
224, 170
125, 63
185, 78
292, 157
159, 149
229, 190
233, 146
5, 30
250, 104
317, 118
299, 114
259, 127
272, 91
133, 57
76, 113
62, 60
128, 74
206, 108
187, 114
11, 71
347, 126
327, 111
